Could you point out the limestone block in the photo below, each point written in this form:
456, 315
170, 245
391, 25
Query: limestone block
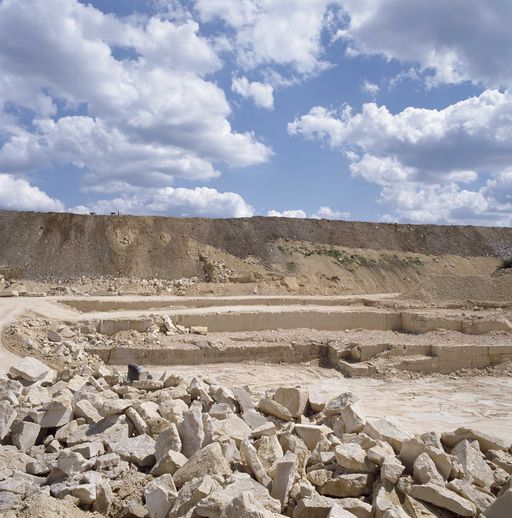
472, 462
168, 439
191, 430
139, 424
85, 409
486, 441
314, 507
425, 470
24, 434
355, 506
29, 369
191, 494
391, 470
286, 470
249, 453
140, 450
353, 458
481, 499
160, 495
218, 500
170, 462
270, 407
243, 398
207, 461
293, 399
389, 430
353, 485
444, 498
7, 416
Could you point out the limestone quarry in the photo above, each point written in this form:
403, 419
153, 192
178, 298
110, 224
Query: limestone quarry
263, 367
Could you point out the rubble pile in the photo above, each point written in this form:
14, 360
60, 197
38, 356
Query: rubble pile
63, 345
96, 286
128, 445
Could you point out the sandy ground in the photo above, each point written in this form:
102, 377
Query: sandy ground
438, 403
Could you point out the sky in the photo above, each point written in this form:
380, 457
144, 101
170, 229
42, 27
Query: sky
372, 110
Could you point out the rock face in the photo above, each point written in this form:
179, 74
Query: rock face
95, 440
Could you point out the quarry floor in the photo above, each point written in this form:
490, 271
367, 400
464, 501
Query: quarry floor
432, 401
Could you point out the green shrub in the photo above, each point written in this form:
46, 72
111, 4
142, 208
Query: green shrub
506, 263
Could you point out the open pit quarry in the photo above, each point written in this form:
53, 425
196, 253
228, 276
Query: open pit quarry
263, 367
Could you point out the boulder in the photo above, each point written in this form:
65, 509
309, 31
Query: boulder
84, 408
160, 495
140, 450
273, 408
444, 498
171, 462
486, 441
29, 369
353, 458
214, 504
207, 461
481, 499
391, 470
425, 470
24, 434
293, 399
285, 472
353, 484
252, 460
469, 457
311, 434
191, 430
191, 494
168, 439
7, 416
315, 506
389, 430
139, 424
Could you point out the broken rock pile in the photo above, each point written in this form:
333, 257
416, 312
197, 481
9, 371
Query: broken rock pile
128, 445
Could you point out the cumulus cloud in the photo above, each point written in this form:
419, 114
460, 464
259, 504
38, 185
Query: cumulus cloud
322, 213
200, 202
451, 41
294, 213
274, 32
18, 194
328, 213
418, 154
262, 94
136, 106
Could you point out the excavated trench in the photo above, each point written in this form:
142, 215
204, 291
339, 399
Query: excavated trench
228, 316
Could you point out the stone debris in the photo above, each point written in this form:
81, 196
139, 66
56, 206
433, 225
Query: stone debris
126, 445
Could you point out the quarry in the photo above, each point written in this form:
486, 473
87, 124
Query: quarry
259, 367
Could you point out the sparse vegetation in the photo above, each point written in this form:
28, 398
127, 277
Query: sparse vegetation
506, 264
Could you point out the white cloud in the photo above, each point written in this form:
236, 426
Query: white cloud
262, 94
322, 213
452, 40
370, 88
328, 213
274, 32
295, 213
18, 194
200, 202
150, 116
419, 155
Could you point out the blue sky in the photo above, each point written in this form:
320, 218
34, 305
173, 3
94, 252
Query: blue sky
349, 109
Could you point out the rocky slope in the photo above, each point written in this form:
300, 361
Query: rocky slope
42, 245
